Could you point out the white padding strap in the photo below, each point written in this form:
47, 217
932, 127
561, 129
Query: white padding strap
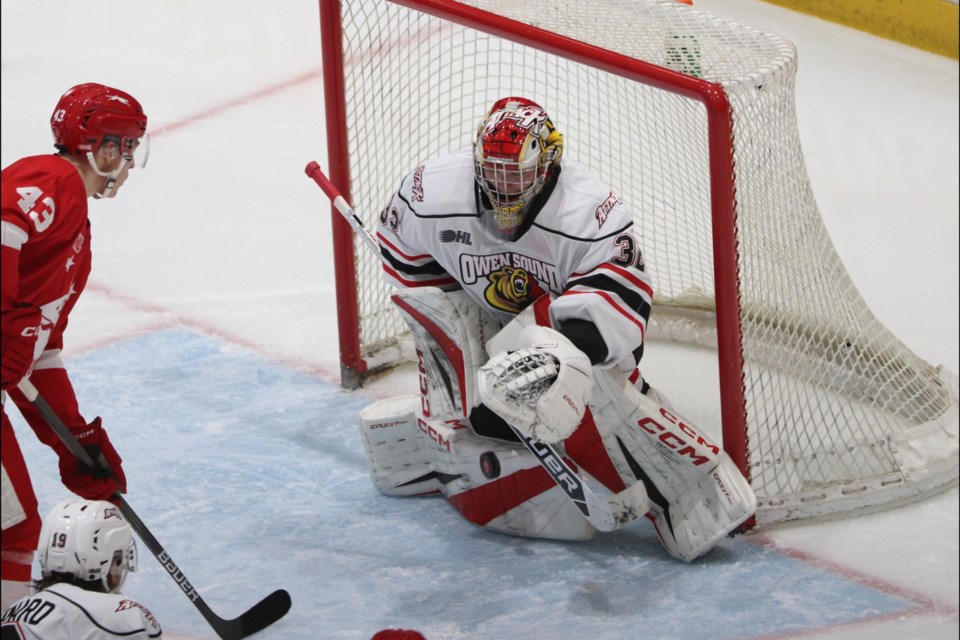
12, 236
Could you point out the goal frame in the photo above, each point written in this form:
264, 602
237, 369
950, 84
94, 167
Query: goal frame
712, 95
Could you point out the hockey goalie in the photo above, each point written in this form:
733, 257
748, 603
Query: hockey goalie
525, 290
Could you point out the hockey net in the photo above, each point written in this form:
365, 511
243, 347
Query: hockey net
691, 117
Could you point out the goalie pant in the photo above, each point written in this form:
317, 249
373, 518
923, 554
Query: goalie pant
66, 612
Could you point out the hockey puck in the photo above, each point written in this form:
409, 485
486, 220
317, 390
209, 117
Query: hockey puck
489, 465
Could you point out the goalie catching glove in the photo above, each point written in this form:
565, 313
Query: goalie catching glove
541, 389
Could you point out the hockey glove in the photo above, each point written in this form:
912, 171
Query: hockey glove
105, 478
542, 390
18, 335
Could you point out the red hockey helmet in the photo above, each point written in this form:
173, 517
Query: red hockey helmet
90, 112
515, 153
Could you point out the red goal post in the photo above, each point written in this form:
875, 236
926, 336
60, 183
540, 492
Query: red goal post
691, 117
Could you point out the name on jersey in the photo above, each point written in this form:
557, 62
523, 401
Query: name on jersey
133, 604
31, 611
605, 208
417, 190
474, 268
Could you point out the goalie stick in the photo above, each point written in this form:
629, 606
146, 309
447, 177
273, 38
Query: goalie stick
605, 513
314, 171
257, 618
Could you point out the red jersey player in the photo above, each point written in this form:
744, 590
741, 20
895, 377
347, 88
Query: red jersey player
46, 256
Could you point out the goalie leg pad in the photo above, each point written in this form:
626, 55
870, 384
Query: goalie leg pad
697, 493
499, 485
702, 516
495, 484
450, 333
399, 464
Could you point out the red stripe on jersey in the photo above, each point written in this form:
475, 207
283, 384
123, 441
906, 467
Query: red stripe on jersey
637, 282
438, 282
16, 571
606, 296
393, 249
541, 310
493, 499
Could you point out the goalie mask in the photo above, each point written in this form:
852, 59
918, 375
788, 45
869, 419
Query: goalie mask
515, 153
89, 541
94, 119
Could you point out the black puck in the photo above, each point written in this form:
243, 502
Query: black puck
489, 465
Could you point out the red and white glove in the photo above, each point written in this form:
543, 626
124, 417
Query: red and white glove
97, 483
18, 338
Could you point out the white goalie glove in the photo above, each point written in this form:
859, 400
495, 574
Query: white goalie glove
541, 388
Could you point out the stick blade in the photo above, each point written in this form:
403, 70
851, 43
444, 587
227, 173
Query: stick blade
266, 612
256, 618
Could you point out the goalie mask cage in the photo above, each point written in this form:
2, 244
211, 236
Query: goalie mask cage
691, 118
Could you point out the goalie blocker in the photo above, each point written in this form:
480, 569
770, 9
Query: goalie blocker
427, 444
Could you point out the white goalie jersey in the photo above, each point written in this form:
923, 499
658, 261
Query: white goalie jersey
67, 612
579, 247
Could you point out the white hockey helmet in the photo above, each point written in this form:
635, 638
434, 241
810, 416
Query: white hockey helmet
89, 540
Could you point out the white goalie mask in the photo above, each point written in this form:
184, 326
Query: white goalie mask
515, 154
88, 540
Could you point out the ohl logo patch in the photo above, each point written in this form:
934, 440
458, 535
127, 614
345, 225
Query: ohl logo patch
511, 289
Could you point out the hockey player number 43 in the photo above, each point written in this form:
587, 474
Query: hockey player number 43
28, 202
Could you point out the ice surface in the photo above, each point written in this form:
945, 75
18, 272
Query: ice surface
207, 342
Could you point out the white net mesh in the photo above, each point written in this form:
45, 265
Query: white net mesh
832, 398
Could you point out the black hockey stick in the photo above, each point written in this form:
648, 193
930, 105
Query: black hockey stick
604, 513
258, 617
